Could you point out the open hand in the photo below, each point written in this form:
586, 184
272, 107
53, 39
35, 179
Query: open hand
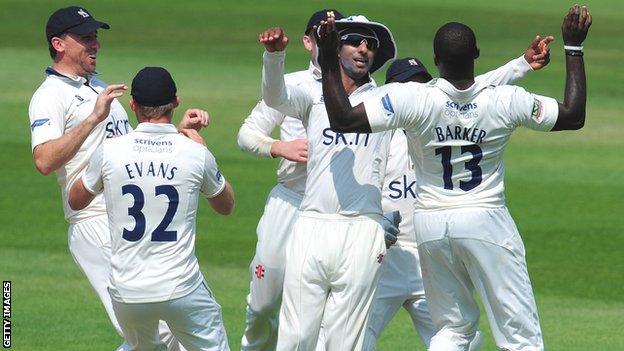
105, 99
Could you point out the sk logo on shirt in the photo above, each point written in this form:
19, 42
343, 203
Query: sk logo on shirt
387, 105
39, 122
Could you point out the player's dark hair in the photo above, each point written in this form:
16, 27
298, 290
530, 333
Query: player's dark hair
455, 44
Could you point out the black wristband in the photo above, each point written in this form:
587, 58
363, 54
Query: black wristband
574, 53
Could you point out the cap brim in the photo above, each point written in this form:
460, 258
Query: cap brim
88, 27
387, 47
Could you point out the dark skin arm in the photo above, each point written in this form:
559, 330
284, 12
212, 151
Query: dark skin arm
342, 116
572, 111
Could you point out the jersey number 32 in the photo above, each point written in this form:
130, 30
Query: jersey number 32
160, 233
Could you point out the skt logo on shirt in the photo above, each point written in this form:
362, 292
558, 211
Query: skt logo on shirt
402, 189
117, 128
333, 138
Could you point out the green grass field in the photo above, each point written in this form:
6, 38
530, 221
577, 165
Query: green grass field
565, 190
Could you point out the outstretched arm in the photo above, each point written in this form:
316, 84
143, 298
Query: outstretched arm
535, 57
342, 116
574, 30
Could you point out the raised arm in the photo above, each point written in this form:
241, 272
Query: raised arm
287, 99
574, 31
535, 57
342, 116
53, 154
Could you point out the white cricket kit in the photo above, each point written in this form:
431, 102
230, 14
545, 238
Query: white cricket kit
151, 180
59, 105
280, 211
456, 140
340, 215
400, 282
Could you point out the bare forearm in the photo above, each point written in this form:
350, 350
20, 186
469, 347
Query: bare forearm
53, 154
342, 116
572, 110
224, 202
79, 196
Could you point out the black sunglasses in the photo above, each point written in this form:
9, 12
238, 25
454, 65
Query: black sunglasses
356, 39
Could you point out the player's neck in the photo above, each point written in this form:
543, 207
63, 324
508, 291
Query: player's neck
351, 84
461, 77
69, 70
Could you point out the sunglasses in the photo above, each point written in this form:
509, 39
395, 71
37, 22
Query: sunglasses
356, 39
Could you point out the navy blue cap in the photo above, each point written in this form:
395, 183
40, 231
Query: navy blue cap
402, 70
72, 19
153, 86
322, 15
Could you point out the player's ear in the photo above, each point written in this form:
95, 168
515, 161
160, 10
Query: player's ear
58, 44
176, 102
435, 59
477, 52
133, 105
308, 43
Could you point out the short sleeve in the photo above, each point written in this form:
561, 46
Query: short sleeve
395, 105
532, 111
213, 182
47, 117
92, 178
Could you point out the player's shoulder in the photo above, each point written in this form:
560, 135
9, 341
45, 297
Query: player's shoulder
52, 91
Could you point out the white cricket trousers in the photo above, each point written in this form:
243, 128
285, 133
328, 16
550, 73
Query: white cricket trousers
466, 249
267, 269
90, 246
194, 319
330, 254
400, 285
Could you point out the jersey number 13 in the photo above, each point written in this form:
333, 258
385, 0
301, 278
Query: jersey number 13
472, 165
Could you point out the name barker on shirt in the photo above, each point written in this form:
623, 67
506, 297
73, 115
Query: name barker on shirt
455, 132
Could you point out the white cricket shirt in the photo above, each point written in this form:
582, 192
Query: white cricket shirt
254, 135
457, 137
345, 170
58, 106
399, 190
152, 178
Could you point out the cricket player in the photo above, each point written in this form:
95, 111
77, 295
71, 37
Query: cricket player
457, 129
151, 179
400, 282
337, 244
282, 205
71, 113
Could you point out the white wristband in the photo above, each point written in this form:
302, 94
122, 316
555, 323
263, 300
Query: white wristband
573, 48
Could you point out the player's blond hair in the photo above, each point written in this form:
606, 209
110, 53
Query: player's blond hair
156, 111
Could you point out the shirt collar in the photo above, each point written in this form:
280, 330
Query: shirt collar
457, 94
147, 127
77, 79
315, 71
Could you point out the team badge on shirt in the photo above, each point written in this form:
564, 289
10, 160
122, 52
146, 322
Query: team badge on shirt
538, 110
